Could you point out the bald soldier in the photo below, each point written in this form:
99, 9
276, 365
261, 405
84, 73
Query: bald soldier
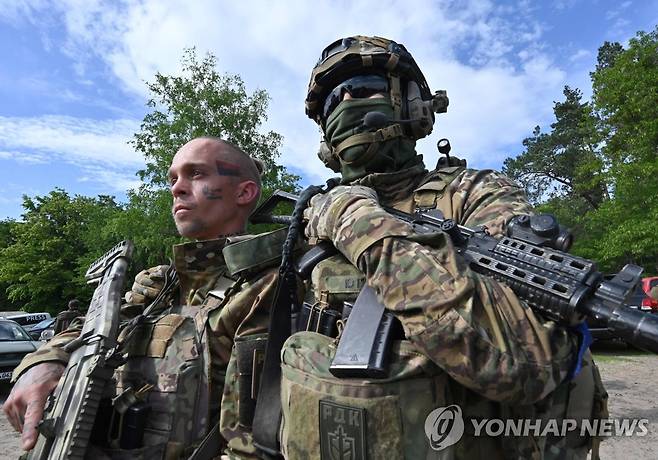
182, 350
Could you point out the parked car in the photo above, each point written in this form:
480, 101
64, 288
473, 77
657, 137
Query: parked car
646, 302
15, 343
27, 319
38, 329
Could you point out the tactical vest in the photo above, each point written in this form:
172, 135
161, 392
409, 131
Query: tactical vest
386, 418
167, 377
168, 371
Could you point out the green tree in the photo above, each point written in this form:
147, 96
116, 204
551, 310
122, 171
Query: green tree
563, 162
625, 87
6, 239
597, 167
49, 251
608, 53
562, 170
199, 102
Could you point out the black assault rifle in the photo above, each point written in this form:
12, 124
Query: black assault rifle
561, 286
71, 409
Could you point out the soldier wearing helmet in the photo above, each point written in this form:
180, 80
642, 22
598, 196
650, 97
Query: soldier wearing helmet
467, 346
355, 69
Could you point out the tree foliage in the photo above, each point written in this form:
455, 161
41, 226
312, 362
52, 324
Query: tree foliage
43, 258
6, 239
44, 262
564, 162
596, 168
625, 87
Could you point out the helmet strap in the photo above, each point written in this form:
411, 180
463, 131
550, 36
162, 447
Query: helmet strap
396, 94
374, 139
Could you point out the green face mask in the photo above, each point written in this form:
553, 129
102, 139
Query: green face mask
347, 120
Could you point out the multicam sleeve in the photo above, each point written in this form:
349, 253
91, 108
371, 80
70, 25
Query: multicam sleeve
486, 198
473, 327
53, 351
238, 438
245, 316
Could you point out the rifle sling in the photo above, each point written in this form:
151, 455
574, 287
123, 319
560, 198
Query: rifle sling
210, 446
267, 417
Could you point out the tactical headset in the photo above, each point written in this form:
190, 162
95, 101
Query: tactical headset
413, 103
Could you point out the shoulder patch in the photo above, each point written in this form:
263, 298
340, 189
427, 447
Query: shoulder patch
426, 195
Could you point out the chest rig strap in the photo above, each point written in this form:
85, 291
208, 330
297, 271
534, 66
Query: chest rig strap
432, 188
217, 297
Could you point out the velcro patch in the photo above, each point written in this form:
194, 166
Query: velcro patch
342, 432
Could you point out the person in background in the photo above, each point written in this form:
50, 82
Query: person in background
65, 317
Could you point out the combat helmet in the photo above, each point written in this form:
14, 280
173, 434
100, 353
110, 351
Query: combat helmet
413, 103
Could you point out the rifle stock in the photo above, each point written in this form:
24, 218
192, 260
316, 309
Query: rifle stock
561, 286
71, 410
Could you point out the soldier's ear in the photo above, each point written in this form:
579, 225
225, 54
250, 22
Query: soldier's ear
247, 192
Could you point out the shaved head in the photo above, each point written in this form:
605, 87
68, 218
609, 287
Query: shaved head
215, 187
248, 167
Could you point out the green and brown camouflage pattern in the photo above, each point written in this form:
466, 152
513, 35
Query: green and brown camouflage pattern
334, 282
185, 349
495, 356
414, 382
573, 399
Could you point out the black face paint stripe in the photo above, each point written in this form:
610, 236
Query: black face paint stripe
224, 168
212, 194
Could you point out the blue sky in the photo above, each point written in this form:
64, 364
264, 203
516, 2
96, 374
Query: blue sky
73, 72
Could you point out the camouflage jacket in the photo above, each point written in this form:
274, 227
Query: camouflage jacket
474, 328
218, 316
496, 353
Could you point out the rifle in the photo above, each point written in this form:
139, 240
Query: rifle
563, 287
71, 409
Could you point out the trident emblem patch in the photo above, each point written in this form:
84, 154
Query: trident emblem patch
342, 432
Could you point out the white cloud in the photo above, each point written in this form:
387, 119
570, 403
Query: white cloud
78, 140
99, 148
21, 157
119, 181
580, 54
489, 57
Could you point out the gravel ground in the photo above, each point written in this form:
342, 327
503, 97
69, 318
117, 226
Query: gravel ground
10, 441
627, 374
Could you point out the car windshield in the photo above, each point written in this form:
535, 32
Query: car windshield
44, 324
653, 283
11, 332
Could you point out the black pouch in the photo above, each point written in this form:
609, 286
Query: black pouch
134, 422
319, 318
250, 351
101, 429
127, 429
